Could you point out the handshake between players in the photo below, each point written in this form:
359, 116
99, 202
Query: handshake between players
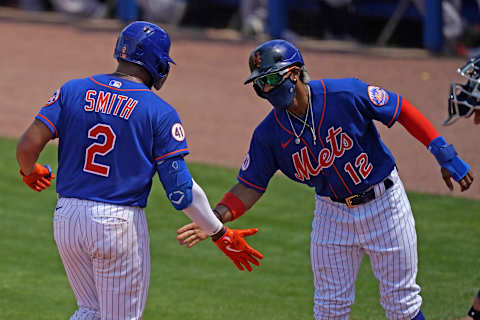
230, 241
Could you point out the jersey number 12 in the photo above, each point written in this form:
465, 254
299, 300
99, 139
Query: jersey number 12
99, 149
364, 168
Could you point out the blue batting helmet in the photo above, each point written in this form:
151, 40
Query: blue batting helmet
147, 45
273, 56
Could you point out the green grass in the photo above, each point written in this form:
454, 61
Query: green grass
200, 283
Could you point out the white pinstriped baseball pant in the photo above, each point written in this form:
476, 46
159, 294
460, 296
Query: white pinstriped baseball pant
383, 228
106, 253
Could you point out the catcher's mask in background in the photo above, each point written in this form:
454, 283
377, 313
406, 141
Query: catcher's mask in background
464, 98
147, 45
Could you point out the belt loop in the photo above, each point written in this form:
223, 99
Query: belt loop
394, 174
379, 188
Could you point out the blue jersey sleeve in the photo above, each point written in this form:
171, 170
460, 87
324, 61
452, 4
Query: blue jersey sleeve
177, 181
169, 136
377, 103
259, 164
50, 113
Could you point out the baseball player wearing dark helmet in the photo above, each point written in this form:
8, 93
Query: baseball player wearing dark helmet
322, 133
114, 134
463, 102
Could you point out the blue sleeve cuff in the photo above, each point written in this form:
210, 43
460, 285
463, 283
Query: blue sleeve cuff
48, 124
397, 112
250, 185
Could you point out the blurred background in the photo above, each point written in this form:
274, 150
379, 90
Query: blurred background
446, 27
411, 47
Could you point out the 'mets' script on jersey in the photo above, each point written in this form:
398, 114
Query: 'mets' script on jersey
347, 157
111, 134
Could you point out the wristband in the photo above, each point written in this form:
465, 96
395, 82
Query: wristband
442, 151
218, 215
234, 204
215, 237
448, 158
49, 175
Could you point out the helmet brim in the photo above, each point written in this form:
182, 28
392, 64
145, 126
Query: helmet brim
170, 60
257, 74
254, 75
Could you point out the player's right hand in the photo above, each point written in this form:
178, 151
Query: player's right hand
190, 234
234, 246
40, 177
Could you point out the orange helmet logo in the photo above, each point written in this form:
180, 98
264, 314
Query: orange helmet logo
124, 51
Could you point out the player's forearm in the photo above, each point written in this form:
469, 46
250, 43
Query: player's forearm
416, 123
223, 213
199, 211
235, 202
31, 144
26, 161
27, 154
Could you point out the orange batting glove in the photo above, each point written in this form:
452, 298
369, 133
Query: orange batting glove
40, 177
237, 249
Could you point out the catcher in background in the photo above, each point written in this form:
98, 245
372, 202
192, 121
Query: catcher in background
464, 99
463, 102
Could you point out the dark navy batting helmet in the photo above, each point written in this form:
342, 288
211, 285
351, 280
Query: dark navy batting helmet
271, 57
147, 45
464, 99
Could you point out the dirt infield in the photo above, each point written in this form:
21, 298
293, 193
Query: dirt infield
206, 87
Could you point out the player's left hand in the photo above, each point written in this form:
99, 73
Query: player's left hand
464, 183
40, 177
190, 234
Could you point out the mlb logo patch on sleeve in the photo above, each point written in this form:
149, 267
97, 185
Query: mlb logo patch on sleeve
53, 98
377, 96
115, 83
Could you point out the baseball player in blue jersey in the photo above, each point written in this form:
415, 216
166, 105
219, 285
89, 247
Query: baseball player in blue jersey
463, 102
114, 134
321, 133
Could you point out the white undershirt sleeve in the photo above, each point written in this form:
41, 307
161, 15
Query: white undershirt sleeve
200, 212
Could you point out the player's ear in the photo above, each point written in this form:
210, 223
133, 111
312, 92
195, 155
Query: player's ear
295, 74
157, 85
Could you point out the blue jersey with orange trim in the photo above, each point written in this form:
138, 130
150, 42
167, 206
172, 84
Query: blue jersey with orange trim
348, 155
111, 133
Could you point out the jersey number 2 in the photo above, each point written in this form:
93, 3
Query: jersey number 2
99, 149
